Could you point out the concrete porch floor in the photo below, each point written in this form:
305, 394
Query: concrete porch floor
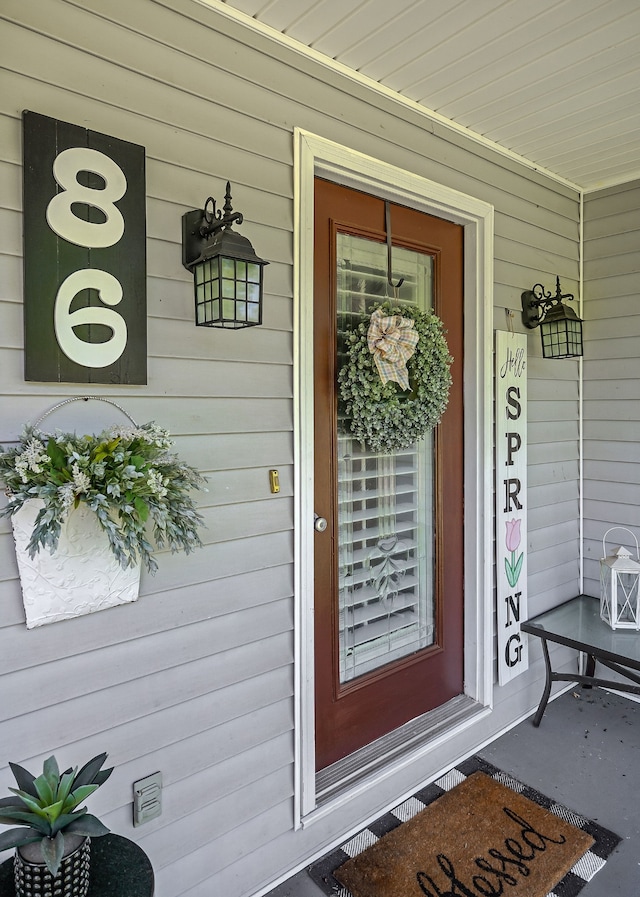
586, 755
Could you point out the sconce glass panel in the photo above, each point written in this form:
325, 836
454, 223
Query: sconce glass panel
237, 284
561, 339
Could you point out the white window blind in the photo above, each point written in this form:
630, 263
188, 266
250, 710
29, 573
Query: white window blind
385, 501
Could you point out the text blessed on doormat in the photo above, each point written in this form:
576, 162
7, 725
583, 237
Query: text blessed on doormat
480, 839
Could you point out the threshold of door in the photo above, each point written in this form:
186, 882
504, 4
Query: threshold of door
345, 773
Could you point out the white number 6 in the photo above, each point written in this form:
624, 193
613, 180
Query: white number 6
90, 355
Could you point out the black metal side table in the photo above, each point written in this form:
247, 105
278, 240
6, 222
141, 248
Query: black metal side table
577, 623
119, 868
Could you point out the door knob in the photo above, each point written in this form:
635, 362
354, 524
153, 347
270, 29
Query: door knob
319, 523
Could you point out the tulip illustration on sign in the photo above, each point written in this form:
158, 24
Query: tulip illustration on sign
513, 567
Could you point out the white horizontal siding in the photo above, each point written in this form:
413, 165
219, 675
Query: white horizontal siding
611, 371
196, 678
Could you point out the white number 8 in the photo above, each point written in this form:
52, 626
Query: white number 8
60, 216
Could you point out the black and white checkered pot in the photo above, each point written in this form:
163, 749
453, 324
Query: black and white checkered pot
33, 879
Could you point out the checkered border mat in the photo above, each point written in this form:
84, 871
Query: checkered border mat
573, 882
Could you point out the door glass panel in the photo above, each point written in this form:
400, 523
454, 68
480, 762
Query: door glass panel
385, 500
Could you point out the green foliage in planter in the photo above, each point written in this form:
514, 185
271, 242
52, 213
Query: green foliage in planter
47, 807
126, 475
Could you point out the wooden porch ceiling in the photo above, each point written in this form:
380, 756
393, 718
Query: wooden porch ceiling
554, 81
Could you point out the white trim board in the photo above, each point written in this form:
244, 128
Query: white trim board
316, 156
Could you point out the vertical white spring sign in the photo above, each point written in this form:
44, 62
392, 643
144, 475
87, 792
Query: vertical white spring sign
511, 502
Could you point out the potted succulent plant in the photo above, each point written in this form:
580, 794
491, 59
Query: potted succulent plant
53, 835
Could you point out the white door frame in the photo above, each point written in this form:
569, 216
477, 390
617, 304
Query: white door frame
316, 156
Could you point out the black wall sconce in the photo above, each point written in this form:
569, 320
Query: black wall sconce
560, 327
226, 271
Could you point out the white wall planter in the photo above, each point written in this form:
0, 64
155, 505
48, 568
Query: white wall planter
82, 576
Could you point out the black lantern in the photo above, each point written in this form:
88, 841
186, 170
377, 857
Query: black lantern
226, 271
560, 327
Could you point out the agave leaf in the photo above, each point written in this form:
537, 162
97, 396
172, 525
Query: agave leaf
87, 825
53, 811
102, 776
88, 773
26, 819
52, 850
16, 837
64, 787
12, 802
44, 789
51, 773
24, 778
78, 795
32, 803
65, 819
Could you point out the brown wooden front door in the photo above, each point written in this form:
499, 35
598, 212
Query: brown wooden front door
389, 566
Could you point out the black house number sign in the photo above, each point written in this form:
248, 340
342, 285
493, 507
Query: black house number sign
85, 307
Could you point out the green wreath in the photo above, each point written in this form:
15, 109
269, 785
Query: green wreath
384, 416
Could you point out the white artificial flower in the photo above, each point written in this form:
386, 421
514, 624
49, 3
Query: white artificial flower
81, 482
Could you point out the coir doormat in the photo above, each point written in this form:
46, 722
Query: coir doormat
476, 832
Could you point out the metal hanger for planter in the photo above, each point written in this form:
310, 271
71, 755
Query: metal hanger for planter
83, 399
387, 224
